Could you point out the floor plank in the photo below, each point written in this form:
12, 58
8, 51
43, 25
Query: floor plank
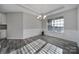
68, 47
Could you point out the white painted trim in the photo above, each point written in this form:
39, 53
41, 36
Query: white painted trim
71, 35
27, 33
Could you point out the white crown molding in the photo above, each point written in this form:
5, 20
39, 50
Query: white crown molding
62, 10
6, 8
28, 10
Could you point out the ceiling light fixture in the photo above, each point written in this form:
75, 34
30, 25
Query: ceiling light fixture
41, 17
38, 17
44, 16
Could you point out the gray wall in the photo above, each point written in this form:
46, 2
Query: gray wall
78, 18
14, 25
31, 26
70, 26
70, 19
30, 22
22, 25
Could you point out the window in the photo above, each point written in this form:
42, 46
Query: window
56, 25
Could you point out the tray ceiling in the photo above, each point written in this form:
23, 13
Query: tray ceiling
36, 9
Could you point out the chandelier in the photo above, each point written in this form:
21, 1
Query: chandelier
41, 17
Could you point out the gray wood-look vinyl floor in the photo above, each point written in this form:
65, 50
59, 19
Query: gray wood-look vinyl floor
8, 45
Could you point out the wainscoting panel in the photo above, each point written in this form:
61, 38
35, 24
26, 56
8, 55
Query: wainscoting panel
31, 32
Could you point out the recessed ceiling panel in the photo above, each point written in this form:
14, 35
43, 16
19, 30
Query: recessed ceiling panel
43, 8
36, 9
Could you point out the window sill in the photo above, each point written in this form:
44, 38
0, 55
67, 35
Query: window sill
56, 32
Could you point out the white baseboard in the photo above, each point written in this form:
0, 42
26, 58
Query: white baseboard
67, 35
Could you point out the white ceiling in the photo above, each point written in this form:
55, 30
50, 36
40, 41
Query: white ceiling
14, 8
36, 9
43, 8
